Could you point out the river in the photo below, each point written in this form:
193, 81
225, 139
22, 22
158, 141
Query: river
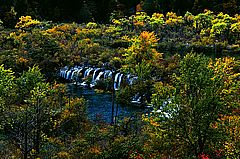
99, 105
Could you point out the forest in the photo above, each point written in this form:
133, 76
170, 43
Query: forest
184, 61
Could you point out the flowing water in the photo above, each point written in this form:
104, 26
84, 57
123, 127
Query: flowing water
100, 104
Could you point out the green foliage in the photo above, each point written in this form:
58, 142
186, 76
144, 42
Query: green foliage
1, 23
157, 20
91, 25
202, 94
28, 81
7, 82
7, 94
203, 20
194, 106
141, 55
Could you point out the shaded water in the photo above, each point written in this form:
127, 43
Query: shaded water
99, 105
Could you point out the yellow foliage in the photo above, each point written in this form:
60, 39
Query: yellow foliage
138, 23
235, 27
237, 16
149, 118
224, 70
173, 19
18, 35
78, 30
157, 15
223, 66
140, 18
125, 37
26, 22
60, 29
171, 15
116, 22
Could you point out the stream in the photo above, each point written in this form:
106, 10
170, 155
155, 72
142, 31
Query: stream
99, 105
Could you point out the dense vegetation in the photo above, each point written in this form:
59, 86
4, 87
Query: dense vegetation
191, 61
100, 10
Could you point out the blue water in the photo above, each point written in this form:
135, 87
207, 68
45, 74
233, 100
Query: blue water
99, 105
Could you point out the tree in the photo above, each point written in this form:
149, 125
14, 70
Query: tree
7, 94
143, 54
142, 60
202, 90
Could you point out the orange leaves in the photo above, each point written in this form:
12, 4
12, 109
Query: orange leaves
148, 37
95, 150
61, 29
22, 60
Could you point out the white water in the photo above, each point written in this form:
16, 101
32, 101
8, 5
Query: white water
99, 75
120, 80
94, 74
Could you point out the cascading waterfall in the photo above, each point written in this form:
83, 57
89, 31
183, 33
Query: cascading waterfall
128, 78
63, 72
106, 74
94, 74
98, 77
120, 80
110, 74
69, 72
116, 80
91, 69
86, 72
74, 74
78, 73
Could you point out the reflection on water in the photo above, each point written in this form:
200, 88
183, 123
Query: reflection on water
100, 104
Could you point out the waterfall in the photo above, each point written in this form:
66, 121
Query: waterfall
99, 75
74, 73
120, 80
128, 78
110, 74
69, 74
64, 75
106, 73
116, 77
115, 81
94, 74
78, 73
63, 71
88, 73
